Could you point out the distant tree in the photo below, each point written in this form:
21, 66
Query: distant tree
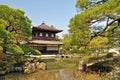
66, 43
52, 26
57, 37
94, 18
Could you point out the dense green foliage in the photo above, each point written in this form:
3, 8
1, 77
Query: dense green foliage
15, 29
94, 18
28, 50
1, 48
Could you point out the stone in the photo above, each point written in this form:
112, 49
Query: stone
27, 71
82, 66
11, 68
29, 67
2, 72
42, 66
33, 67
18, 69
26, 63
37, 65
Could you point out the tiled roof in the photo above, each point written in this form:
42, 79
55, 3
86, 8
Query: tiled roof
45, 27
44, 42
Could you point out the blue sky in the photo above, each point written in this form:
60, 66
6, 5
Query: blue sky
53, 12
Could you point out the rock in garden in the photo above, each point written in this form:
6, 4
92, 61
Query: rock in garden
18, 69
11, 68
32, 67
2, 73
29, 67
82, 66
37, 65
42, 66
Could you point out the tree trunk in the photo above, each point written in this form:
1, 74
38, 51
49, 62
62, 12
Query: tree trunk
4, 50
4, 47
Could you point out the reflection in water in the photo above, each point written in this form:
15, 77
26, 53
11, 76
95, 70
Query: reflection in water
64, 75
61, 74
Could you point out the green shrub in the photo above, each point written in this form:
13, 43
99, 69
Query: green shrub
27, 50
37, 52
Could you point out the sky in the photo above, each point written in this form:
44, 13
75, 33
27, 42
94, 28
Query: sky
52, 12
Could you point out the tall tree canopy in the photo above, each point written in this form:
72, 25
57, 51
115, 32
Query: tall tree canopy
94, 18
14, 29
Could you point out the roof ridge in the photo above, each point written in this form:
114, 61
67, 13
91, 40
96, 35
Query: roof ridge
43, 26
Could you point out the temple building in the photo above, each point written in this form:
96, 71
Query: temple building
43, 39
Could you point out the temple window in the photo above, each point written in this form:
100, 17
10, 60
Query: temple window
52, 48
36, 34
40, 34
46, 34
52, 35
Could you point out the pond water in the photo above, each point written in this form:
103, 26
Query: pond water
56, 70
64, 75
65, 69
41, 75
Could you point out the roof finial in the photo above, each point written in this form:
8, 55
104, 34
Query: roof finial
43, 22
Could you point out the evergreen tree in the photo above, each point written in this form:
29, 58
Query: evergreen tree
94, 18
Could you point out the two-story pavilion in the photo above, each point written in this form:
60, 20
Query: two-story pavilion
43, 39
